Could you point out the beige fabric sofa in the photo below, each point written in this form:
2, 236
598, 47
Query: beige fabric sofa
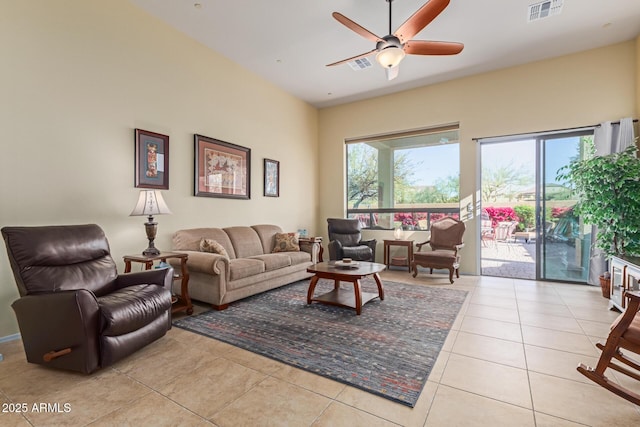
251, 267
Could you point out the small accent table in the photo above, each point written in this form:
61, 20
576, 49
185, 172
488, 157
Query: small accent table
181, 302
311, 241
396, 242
340, 296
625, 276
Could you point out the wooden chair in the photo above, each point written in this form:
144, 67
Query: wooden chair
624, 334
445, 242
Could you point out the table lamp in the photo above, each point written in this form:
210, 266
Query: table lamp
150, 203
398, 233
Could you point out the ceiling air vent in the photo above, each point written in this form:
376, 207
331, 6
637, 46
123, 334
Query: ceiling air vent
544, 9
360, 64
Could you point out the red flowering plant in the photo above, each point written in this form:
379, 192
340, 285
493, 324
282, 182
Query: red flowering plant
501, 214
560, 212
406, 219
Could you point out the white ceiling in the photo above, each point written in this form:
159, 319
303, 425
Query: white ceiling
289, 42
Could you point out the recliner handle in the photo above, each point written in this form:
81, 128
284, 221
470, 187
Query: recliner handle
48, 357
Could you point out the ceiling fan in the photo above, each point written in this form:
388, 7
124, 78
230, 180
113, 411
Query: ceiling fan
392, 48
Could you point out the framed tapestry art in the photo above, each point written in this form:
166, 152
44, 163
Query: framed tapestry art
271, 178
221, 169
152, 160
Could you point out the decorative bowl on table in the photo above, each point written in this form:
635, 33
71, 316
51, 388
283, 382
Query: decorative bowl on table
346, 263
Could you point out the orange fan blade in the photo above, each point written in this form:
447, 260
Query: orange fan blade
423, 47
416, 22
362, 55
356, 27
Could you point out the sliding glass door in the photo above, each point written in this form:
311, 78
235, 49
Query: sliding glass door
533, 232
565, 241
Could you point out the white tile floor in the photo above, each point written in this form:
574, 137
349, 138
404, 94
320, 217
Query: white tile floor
509, 360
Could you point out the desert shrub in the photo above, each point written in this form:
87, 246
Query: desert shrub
526, 216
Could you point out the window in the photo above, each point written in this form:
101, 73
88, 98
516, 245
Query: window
407, 179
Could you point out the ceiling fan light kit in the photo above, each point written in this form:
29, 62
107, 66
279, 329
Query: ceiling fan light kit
392, 48
390, 57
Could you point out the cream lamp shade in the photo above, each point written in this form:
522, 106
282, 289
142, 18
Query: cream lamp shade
150, 203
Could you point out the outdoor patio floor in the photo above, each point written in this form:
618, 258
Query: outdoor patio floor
514, 260
517, 260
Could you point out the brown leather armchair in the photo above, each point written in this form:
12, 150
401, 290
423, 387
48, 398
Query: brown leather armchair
445, 242
345, 241
75, 311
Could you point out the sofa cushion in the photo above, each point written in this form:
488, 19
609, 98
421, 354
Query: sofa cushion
286, 242
274, 261
212, 246
245, 241
245, 267
131, 308
267, 233
299, 257
189, 240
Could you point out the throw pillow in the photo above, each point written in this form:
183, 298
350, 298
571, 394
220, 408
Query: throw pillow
286, 242
210, 245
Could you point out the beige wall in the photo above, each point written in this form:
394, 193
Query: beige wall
638, 76
79, 76
570, 91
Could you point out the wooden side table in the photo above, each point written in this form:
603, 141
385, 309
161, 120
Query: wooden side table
312, 240
181, 302
396, 242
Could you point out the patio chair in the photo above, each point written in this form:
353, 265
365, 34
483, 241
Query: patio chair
505, 230
445, 242
624, 334
487, 230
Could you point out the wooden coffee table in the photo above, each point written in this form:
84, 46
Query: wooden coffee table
345, 297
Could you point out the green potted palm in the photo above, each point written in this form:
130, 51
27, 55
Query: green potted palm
607, 189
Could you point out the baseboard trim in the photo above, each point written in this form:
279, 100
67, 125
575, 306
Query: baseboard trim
10, 338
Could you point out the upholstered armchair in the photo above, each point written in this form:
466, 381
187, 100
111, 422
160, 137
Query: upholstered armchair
445, 242
345, 241
75, 312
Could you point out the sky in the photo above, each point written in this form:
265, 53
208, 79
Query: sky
522, 154
436, 162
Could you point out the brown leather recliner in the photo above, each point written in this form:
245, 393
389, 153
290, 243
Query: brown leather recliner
345, 241
75, 311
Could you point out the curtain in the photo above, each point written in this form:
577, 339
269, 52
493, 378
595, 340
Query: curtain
608, 138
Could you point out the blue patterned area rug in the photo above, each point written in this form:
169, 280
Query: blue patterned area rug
388, 350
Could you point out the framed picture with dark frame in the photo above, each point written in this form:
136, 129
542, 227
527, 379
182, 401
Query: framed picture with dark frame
221, 169
271, 178
152, 160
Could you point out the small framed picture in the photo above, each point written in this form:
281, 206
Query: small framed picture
152, 160
271, 178
221, 169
